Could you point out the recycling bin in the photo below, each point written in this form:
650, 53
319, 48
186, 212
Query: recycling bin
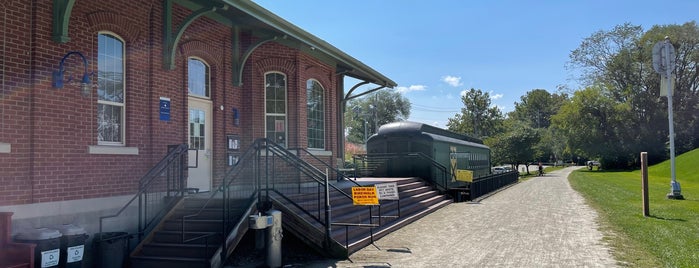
48, 246
72, 245
110, 249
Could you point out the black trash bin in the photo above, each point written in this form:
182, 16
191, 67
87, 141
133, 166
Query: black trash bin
110, 249
72, 245
48, 243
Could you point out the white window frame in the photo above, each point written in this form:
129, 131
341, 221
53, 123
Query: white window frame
208, 78
322, 114
122, 104
286, 107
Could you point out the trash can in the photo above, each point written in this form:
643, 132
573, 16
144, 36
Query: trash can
47, 252
72, 245
110, 249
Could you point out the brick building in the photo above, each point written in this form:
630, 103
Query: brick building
93, 92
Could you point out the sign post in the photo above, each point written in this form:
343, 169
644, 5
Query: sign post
664, 64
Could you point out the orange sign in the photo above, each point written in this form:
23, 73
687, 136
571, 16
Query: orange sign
364, 196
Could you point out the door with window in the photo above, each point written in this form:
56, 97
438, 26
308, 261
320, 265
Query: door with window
200, 144
200, 124
200, 154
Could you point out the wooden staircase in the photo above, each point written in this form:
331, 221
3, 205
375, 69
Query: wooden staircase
350, 231
203, 235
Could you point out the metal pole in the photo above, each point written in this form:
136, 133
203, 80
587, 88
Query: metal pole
328, 229
675, 192
644, 183
274, 239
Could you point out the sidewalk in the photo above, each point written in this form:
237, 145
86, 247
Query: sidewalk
541, 222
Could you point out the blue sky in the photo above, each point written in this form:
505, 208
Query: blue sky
434, 50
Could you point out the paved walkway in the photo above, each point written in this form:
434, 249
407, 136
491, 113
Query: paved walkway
541, 222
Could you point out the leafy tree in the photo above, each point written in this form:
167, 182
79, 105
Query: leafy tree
537, 107
593, 125
535, 110
478, 118
376, 109
619, 64
514, 147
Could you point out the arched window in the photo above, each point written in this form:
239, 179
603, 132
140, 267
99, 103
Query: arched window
198, 78
315, 104
275, 107
111, 92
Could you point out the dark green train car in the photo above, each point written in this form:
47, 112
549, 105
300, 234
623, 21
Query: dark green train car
431, 148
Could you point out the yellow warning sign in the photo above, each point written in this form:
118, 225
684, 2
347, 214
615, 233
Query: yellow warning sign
364, 196
464, 175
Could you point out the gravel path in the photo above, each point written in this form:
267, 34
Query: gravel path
541, 222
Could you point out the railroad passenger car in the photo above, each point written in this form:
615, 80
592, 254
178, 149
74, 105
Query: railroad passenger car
411, 149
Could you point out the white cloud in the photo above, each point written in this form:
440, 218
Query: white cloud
495, 96
452, 80
411, 88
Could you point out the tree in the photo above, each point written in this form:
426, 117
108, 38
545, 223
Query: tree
373, 110
537, 107
593, 124
478, 118
619, 63
535, 110
515, 146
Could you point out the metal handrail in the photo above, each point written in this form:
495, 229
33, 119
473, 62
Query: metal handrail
175, 152
326, 165
315, 174
442, 186
228, 178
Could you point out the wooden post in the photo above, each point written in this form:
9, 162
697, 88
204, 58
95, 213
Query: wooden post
644, 182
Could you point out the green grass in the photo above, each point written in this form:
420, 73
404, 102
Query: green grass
670, 236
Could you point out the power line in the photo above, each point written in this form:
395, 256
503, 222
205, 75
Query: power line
431, 109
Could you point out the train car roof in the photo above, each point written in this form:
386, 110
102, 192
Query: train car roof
415, 128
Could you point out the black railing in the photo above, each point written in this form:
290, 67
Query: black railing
159, 190
413, 164
416, 164
486, 184
238, 191
293, 180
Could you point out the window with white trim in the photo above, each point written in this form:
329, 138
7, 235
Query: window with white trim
315, 107
111, 91
198, 78
275, 107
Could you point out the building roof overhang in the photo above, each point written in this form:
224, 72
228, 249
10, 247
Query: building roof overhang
264, 24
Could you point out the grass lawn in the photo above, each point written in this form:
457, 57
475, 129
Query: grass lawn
670, 236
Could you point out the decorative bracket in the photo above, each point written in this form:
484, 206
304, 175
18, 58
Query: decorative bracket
61, 20
170, 40
239, 62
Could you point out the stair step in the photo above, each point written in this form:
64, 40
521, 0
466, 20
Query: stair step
176, 237
178, 250
193, 225
207, 213
170, 262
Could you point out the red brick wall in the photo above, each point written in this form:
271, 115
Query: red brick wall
50, 129
15, 96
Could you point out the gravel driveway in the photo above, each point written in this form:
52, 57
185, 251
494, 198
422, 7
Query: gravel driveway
540, 222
